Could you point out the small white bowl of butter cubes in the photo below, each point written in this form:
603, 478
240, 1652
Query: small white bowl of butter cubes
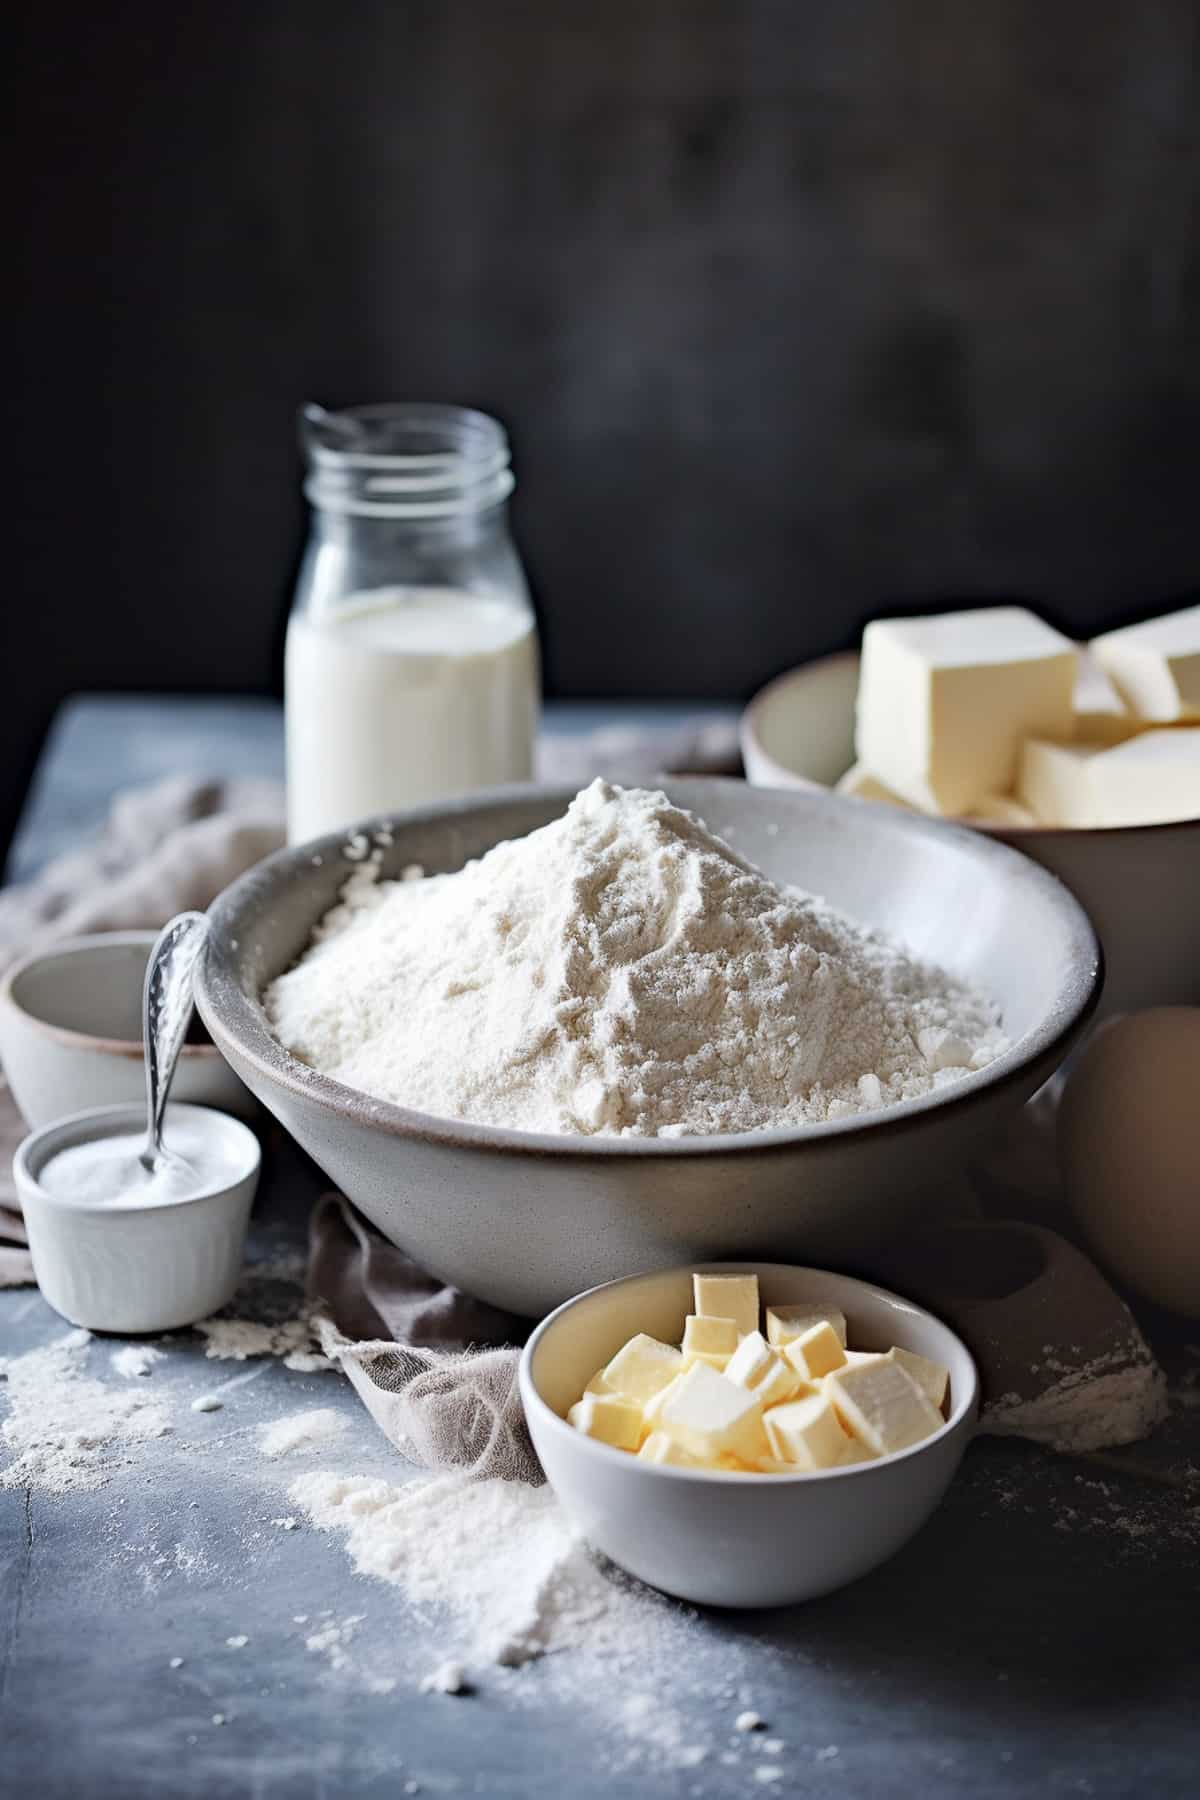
747, 1434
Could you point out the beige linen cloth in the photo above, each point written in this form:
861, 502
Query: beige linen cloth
435, 1368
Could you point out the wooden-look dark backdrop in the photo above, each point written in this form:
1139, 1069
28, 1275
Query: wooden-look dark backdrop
795, 311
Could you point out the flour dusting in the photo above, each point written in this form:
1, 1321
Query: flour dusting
621, 971
300, 1431
499, 1558
64, 1428
234, 1340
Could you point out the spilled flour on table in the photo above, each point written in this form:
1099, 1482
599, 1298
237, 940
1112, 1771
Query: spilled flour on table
295, 1340
497, 1569
136, 1359
1117, 1398
300, 1431
498, 1558
63, 1426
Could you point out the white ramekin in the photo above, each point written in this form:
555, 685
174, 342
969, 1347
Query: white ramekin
137, 1268
720, 1539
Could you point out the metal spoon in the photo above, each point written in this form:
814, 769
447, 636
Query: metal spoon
166, 1014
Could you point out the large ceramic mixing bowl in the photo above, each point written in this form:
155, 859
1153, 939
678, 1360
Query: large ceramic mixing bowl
526, 1220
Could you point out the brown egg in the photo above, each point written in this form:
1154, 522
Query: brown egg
1129, 1148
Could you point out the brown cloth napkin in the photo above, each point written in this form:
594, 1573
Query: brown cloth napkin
436, 1369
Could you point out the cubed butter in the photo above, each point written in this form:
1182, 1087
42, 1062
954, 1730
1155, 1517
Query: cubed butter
659, 1448
755, 1366
1101, 716
598, 1385
816, 1351
929, 1376
708, 1340
860, 784
880, 1404
728, 1297
786, 1323
642, 1367
653, 1406
1000, 809
944, 702
1151, 779
806, 1433
609, 1418
1055, 781
1155, 667
711, 1416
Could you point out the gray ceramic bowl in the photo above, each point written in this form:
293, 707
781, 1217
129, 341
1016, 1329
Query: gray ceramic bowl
71, 1033
527, 1220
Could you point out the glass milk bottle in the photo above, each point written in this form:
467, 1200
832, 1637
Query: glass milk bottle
411, 670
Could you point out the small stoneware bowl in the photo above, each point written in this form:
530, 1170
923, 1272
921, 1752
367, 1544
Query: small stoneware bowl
1139, 883
135, 1268
728, 1539
71, 1033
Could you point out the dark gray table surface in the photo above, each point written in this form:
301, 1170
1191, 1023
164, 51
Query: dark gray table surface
1039, 1636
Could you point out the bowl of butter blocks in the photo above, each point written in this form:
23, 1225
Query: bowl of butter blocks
747, 1434
1086, 756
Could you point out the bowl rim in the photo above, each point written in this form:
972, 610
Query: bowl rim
749, 733
962, 1414
66, 1035
119, 1114
239, 1028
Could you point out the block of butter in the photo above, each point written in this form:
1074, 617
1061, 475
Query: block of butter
929, 1376
607, 1417
1000, 809
1150, 779
1155, 667
1101, 716
728, 1297
641, 1367
659, 1448
785, 1323
709, 1340
764, 1373
862, 785
816, 1351
880, 1404
806, 1433
710, 1417
1054, 781
944, 702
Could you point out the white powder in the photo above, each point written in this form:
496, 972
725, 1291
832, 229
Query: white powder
623, 971
136, 1359
62, 1424
1115, 1399
447, 1678
499, 1558
234, 1340
300, 1431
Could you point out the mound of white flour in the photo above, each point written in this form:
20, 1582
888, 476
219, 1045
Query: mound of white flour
622, 971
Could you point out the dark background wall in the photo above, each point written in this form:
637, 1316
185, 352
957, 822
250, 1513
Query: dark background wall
795, 311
